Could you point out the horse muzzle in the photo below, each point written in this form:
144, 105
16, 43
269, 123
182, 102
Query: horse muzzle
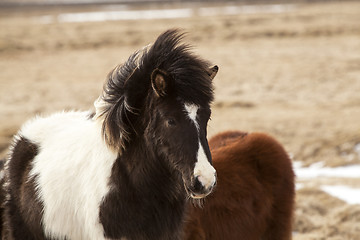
201, 187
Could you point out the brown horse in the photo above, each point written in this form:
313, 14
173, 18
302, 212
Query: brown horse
255, 191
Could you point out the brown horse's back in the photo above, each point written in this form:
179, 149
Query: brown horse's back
254, 196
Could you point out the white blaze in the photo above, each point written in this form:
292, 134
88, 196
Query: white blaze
203, 169
191, 110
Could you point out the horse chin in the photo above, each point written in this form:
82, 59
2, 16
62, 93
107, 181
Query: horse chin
194, 195
198, 196
198, 199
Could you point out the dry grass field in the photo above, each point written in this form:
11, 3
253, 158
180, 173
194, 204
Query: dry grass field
292, 74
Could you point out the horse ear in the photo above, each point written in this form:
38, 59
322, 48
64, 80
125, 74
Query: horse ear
212, 71
159, 82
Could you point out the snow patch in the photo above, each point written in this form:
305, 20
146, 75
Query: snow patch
124, 14
347, 194
316, 170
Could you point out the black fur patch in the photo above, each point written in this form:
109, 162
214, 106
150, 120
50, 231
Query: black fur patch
147, 200
23, 211
2, 162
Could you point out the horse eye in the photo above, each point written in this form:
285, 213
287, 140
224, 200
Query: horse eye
171, 122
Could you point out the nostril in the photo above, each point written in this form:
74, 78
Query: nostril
198, 187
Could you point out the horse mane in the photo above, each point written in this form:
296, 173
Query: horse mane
128, 86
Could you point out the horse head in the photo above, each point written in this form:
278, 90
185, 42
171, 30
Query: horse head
163, 95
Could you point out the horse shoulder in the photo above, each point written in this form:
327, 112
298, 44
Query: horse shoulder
70, 172
270, 156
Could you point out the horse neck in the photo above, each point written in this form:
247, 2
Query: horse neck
149, 172
143, 188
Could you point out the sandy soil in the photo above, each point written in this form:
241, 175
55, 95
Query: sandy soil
294, 75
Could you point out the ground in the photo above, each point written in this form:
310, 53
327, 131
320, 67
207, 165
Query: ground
294, 74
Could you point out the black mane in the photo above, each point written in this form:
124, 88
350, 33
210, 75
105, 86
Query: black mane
129, 84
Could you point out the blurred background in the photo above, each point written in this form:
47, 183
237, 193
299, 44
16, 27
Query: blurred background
287, 68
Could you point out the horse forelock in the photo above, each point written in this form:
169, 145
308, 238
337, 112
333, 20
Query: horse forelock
129, 84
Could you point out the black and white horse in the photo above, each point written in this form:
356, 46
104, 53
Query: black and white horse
125, 171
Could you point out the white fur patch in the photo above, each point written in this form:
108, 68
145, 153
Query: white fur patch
203, 169
72, 172
192, 110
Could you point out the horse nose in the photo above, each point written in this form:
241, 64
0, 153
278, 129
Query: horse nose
202, 188
199, 186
